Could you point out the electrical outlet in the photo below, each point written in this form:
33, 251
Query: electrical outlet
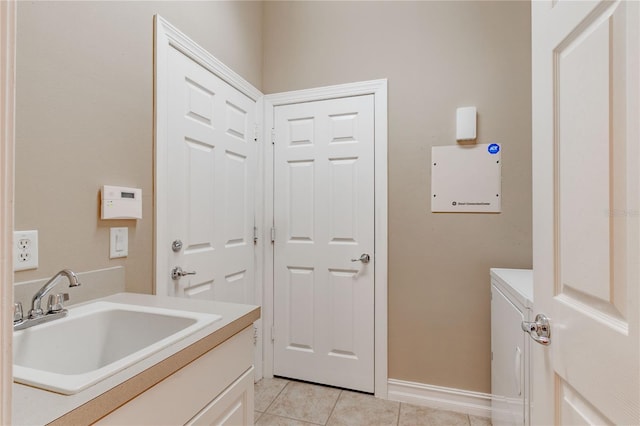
25, 250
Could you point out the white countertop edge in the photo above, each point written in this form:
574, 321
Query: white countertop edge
33, 406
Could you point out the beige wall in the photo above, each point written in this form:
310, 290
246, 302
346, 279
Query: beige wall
437, 56
85, 118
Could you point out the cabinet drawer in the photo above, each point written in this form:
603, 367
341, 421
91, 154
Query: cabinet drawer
176, 399
233, 407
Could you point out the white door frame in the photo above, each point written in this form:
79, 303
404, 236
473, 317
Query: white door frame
166, 36
378, 88
7, 146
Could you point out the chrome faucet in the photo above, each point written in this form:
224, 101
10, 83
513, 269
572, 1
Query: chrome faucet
55, 308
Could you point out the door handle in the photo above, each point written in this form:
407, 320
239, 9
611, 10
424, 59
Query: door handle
364, 258
539, 330
177, 273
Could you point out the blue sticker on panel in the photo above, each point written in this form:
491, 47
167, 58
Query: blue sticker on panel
494, 148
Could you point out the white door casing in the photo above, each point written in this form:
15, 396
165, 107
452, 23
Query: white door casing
586, 174
324, 218
7, 148
377, 88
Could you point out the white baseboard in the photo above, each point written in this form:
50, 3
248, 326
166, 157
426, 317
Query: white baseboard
461, 401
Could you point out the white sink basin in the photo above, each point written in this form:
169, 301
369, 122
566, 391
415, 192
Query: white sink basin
95, 341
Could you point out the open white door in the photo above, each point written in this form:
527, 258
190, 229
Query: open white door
212, 155
205, 174
586, 199
206, 126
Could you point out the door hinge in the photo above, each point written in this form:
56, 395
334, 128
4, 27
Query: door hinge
255, 335
255, 235
273, 334
273, 136
256, 131
273, 234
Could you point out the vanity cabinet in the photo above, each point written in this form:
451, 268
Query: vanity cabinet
511, 303
216, 388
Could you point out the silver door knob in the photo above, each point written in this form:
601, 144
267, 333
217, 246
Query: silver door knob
177, 273
539, 330
364, 258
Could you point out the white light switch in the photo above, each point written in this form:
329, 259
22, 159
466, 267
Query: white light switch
119, 246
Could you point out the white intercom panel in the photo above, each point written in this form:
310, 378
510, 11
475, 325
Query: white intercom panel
119, 202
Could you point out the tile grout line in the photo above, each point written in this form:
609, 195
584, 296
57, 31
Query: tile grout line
287, 417
399, 411
276, 397
334, 407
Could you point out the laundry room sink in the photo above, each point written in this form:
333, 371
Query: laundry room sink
95, 341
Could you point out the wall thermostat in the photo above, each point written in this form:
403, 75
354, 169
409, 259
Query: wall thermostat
119, 202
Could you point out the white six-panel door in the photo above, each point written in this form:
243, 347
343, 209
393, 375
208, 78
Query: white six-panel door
324, 218
211, 179
586, 174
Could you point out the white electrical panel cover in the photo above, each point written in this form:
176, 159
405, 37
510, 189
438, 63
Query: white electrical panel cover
466, 178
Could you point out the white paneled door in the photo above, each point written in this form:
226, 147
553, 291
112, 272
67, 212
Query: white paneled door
324, 242
211, 156
586, 151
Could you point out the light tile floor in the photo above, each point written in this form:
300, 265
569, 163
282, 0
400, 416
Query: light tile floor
280, 402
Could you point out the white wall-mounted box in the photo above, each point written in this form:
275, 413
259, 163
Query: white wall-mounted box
120, 202
466, 119
466, 178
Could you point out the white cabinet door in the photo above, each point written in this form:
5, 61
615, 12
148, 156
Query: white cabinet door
324, 218
586, 230
211, 168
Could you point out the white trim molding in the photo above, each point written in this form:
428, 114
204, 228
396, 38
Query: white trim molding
377, 88
7, 146
442, 398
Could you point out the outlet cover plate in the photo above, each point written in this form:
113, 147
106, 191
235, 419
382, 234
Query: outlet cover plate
25, 250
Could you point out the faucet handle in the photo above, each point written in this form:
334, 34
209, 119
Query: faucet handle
17, 312
56, 302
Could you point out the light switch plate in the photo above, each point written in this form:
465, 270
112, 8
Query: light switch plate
119, 243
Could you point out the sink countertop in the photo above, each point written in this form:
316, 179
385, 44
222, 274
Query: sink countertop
33, 406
